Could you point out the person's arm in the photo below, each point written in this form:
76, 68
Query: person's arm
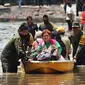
25, 57
59, 47
81, 43
31, 40
78, 49
69, 13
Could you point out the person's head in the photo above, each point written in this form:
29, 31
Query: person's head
61, 30
46, 35
56, 35
69, 4
76, 27
23, 30
45, 19
38, 34
29, 20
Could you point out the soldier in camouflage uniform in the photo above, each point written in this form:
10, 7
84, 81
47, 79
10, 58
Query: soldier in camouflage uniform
16, 49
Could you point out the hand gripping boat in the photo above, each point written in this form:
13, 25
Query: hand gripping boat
48, 66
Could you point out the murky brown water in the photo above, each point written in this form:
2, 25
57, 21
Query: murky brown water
37, 79
76, 77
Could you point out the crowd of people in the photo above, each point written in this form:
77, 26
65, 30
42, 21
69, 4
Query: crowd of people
77, 37
44, 42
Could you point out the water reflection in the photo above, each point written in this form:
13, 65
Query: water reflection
79, 75
37, 79
76, 77
7, 30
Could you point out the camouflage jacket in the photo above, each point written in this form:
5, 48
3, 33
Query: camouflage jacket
14, 50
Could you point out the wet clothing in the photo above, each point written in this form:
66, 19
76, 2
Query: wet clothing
80, 54
48, 26
32, 29
13, 51
75, 41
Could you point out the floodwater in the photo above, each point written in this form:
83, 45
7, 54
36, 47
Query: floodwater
76, 77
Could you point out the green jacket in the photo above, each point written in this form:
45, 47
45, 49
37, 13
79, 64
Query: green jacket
13, 51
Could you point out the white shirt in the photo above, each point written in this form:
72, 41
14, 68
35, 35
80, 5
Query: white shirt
69, 11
